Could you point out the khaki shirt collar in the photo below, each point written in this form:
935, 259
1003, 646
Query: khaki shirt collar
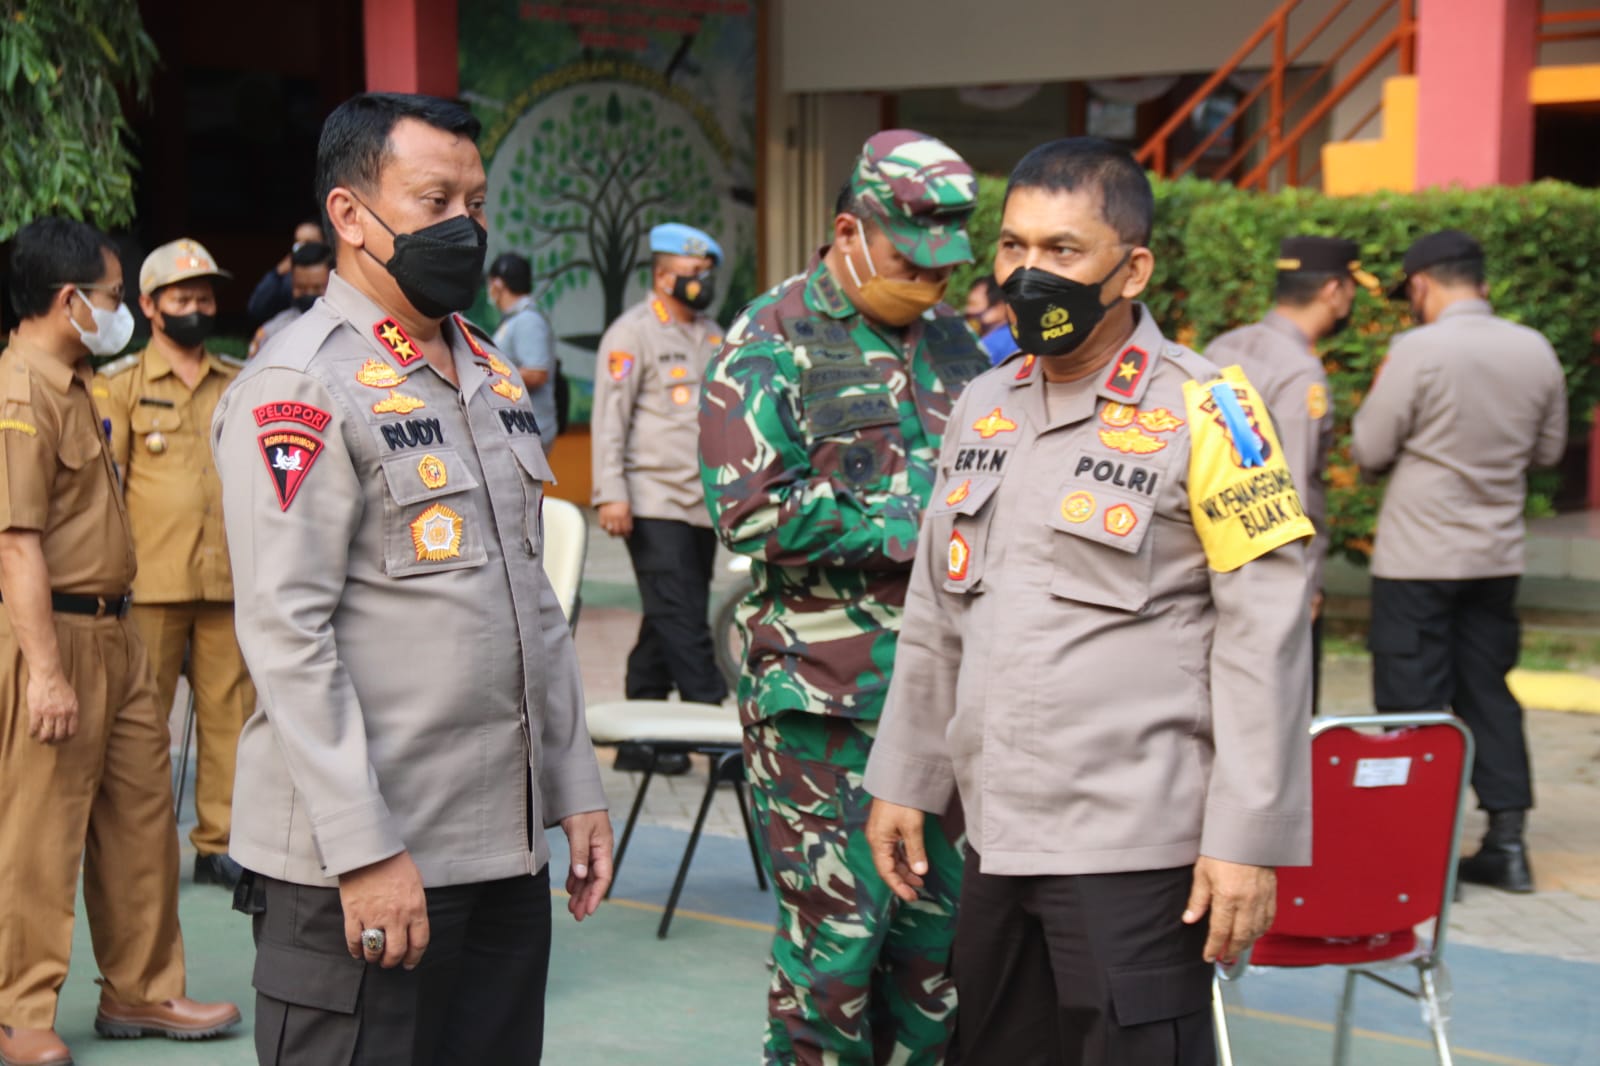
56, 374
1123, 380
1279, 324
158, 366
383, 333
1466, 307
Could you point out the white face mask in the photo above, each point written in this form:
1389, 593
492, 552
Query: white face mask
112, 329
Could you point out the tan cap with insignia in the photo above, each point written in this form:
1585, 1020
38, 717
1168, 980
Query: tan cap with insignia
175, 261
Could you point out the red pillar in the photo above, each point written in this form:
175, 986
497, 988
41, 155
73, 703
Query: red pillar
1474, 115
411, 47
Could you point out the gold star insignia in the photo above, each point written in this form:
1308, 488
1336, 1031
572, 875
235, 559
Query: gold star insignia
1129, 369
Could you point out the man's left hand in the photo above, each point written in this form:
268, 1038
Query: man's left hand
1242, 901
588, 877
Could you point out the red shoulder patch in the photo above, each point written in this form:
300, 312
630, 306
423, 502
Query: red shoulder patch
393, 336
288, 455
303, 413
1127, 370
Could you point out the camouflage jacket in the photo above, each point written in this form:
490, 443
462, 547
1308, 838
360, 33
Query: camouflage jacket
819, 438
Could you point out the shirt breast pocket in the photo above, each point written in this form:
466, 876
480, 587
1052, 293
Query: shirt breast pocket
1102, 549
151, 428
961, 516
432, 521
536, 474
856, 437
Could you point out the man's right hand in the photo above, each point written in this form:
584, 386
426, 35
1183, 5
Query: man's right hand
894, 833
386, 895
617, 518
52, 708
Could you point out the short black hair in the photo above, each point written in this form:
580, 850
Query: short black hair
310, 254
355, 138
514, 271
1126, 202
1456, 272
1297, 288
48, 253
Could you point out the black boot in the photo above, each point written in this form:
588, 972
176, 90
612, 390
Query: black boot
1502, 861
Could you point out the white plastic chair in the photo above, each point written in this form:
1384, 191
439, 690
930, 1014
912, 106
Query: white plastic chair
566, 544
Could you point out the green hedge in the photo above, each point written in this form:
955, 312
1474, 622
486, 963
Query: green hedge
1215, 247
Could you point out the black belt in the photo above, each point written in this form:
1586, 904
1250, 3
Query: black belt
93, 606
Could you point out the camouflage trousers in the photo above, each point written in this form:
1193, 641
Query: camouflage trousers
859, 977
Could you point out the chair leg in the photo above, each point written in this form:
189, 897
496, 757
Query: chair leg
1341, 1025
1219, 1015
1430, 994
750, 835
688, 851
627, 829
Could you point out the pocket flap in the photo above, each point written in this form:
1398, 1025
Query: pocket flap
963, 495
1144, 994
425, 474
1115, 521
326, 982
530, 454
807, 787
147, 418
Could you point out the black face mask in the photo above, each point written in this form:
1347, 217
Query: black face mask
439, 267
303, 303
695, 291
188, 331
1055, 314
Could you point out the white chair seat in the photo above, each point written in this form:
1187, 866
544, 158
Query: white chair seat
664, 722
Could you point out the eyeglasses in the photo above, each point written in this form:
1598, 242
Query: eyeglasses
116, 292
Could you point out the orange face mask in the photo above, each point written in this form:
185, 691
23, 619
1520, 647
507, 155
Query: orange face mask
889, 300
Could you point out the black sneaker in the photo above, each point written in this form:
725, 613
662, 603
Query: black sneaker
217, 870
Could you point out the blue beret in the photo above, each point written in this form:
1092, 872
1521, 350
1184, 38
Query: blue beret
674, 238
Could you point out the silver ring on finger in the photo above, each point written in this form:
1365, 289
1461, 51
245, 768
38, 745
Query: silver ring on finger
373, 940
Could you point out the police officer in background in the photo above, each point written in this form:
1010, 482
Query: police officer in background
310, 265
85, 777
421, 717
525, 336
820, 424
1312, 298
646, 441
159, 403
1105, 650
1462, 408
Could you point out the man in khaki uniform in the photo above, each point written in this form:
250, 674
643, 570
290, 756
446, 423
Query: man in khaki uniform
84, 770
646, 441
1104, 651
420, 720
160, 402
1315, 290
1462, 408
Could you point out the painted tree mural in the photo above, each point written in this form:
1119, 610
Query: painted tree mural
586, 188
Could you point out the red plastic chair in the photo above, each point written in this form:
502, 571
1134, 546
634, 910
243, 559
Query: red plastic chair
1386, 802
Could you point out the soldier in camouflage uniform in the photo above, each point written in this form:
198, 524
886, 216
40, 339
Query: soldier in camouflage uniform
820, 422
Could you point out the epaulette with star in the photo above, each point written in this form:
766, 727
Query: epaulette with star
119, 366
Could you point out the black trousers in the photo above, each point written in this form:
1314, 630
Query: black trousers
1090, 970
672, 561
1448, 645
477, 996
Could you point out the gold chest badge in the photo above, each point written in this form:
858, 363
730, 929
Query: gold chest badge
156, 442
504, 388
436, 534
432, 471
397, 403
376, 374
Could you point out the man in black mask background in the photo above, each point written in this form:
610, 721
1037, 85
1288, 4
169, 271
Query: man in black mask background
1312, 298
158, 405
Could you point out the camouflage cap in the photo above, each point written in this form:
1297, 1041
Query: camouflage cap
921, 192
175, 261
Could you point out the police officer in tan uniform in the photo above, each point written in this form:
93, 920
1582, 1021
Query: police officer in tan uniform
84, 770
420, 720
1104, 651
1462, 408
1312, 298
160, 402
646, 440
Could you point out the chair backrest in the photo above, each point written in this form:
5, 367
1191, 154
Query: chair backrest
566, 543
1386, 809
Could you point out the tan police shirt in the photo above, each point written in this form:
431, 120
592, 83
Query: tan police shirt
1460, 411
161, 441
418, 683
1279, 361
56, 475
1106, 642
645, 427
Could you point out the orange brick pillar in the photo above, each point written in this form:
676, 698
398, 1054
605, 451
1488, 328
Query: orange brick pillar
411, 47
1474, 112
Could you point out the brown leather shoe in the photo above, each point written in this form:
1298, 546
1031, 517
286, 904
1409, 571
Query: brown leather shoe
178, 1019
32, 1047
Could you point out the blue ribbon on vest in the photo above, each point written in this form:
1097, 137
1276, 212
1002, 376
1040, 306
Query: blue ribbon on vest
1244, 438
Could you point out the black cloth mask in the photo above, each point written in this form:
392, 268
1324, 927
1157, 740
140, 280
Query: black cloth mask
439, 267
188, 331
695, 291
1055, 314
303, 303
